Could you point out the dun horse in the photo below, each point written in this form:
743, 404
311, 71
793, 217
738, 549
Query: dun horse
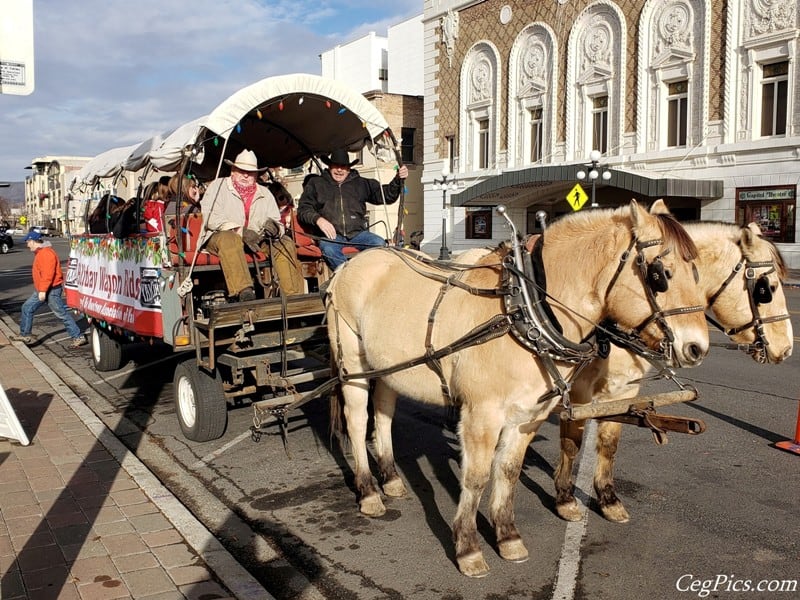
740, 274
398, 320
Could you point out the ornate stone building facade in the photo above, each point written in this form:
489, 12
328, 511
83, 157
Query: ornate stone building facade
695, 101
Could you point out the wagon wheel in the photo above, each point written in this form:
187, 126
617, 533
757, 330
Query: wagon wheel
106, 351
199, 402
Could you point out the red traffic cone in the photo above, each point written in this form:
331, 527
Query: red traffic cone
792, 445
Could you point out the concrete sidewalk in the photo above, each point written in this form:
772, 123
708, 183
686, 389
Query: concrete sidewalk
82, 517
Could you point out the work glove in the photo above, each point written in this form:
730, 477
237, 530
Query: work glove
271, 229
251, 239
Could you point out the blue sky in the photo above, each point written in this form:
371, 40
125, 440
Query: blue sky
111, 73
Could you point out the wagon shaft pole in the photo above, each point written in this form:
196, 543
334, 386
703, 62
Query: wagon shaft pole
580, 412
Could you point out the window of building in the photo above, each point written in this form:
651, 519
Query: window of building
407, 144
536, 134
772, 208
677, 113
383, 74
600, 123
451, 153
774, 98
483, 143
479, 223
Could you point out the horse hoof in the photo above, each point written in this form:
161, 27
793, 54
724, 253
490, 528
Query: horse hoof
473, 565
372, 506
569, 511
513, 551
394, 488
615, 513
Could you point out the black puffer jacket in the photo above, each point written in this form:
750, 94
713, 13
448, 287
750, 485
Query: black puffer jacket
344, 205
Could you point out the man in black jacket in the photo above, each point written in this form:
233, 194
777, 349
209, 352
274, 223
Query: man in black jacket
335, 203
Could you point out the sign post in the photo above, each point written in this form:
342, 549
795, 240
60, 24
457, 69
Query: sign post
16, 47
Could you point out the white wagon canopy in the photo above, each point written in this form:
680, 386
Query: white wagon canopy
286, 121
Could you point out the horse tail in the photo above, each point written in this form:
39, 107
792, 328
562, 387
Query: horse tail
338, 429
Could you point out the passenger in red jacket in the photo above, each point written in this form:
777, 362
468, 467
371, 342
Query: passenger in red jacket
48, 283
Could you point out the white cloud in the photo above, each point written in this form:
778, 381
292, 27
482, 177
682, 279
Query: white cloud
110, 72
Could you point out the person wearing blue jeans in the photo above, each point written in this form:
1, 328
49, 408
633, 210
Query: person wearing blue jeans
335, 205
48, 283
332, 249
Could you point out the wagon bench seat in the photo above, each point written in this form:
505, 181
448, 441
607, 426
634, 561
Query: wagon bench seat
191, 228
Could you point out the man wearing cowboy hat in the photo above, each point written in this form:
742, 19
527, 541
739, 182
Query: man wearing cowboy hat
237, 211
336, 205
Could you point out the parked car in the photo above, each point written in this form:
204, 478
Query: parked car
6, 242
45, 231
15, 231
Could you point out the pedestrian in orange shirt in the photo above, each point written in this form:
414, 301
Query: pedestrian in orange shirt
48, 283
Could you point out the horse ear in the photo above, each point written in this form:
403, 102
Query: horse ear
659, 208
753, 229
637, 214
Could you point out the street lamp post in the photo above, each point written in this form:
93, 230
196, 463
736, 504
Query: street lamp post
593, 174
444, 183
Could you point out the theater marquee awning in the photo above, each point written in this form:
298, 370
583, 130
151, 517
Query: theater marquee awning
517, 189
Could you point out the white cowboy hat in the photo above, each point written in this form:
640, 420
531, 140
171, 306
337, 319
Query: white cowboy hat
246, 161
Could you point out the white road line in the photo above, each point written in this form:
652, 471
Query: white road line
219, 451
570, 561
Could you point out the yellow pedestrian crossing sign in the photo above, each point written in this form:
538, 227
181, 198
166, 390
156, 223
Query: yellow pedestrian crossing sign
577, 197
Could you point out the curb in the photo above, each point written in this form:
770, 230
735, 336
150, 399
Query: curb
232, 575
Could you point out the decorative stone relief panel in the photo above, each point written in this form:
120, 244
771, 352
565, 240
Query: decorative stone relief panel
449, 34
673, 30
768, 16
480, 79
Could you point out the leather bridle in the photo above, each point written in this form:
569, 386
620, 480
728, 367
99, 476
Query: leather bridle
758, 292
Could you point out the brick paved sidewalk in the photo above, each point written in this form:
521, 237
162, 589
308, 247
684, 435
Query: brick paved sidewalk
73, 522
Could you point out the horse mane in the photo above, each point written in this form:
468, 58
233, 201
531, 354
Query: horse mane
676, 236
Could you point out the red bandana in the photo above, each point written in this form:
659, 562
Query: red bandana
247, 194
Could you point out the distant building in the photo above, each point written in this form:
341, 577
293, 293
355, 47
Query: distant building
389, 72
46, 190
695, 101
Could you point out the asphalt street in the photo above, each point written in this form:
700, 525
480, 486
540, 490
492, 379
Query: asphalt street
715, 510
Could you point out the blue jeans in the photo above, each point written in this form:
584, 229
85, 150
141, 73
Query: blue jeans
55, 300
332, 249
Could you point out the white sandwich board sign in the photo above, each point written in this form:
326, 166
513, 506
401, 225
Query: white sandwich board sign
16, 47
9, 424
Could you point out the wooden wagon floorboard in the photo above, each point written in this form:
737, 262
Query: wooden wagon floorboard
226, 315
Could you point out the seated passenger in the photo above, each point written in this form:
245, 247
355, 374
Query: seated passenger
335, 204
155, 205
237, 211
190, 191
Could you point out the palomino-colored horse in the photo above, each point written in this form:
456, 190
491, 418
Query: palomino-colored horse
386, 309
731, 262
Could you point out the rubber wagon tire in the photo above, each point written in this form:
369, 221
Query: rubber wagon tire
199, 403
106, 351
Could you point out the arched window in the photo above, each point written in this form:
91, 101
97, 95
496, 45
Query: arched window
531, 96
673, 81
479, 108
596, 84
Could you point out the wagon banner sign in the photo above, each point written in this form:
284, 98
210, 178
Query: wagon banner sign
116, 281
